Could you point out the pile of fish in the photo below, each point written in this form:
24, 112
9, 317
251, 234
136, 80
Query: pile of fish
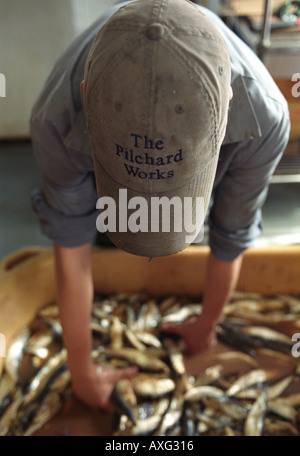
163, 398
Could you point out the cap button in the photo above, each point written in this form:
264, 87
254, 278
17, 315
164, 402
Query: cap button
155, 31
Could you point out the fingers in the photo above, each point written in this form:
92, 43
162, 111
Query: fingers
113, 375
177, 329
125, 372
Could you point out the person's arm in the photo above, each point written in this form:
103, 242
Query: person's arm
221, 279
92, 384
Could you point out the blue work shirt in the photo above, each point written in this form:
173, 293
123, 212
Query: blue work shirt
257, 133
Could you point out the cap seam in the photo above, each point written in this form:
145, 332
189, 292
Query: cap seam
204, 87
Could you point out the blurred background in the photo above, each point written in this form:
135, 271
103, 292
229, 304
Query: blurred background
33, 33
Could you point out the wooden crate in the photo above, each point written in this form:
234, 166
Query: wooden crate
27, 283
27, 277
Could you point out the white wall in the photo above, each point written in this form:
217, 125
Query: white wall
32, 35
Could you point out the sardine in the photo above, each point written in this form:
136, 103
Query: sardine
51, 404
116, 333
235, 340
255, 419
170, 419
55, 325
7, 386
133, 339
196, 393
291, 400
211, 421
275, 390
283, 410
170, 303
228, 407
123, 396
272, 391
148, 316
140, 358
15, 353
141, 428
49, 311
253, 377
45, 376
10, 412
237, 356
41, 338
39, 351
267, 334
181, 315
279, 427
148, 339
175, 351
210, 375
152, 386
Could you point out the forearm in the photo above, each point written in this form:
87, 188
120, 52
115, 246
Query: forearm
221, 280
75, 295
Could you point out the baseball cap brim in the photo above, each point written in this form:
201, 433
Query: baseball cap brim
177, 228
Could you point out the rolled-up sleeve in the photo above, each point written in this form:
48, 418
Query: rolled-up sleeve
66, 203
235, 219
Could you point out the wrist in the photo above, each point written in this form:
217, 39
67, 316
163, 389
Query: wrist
80, 365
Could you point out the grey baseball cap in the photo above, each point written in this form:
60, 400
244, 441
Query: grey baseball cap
156, 96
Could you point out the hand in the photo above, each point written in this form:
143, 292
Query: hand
94, 385
199, 334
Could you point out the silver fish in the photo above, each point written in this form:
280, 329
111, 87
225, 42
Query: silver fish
7, 386
148, 339
51, 404
15, 353
196, 393
169, 303
284, 410
272, 391
55, 325
279, 427
211, 421
39, 351
44, 375
266, 334
152, 386
175, 351
148, 316
123, 396
41, 338
170, 419
116, 333
140, 358
291, 400
255, 419
50, 310
133, 339
228, 406
251, 378
10, 412
182, 314
237, 356
210, 375
141, 428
